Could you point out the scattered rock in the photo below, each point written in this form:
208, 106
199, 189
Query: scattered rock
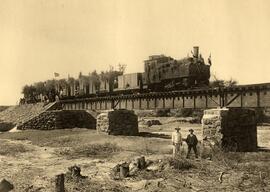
5, 186
120, 171
141, 162
152, 122
74, 173
124, 170
60, 119
133, 168
148, 162
154, 167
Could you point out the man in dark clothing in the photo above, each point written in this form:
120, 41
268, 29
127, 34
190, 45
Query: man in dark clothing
192, 142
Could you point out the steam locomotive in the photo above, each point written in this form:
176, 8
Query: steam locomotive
161, 73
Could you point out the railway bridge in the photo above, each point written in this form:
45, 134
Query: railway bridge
246, 96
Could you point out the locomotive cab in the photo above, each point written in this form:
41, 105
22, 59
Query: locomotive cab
166, 73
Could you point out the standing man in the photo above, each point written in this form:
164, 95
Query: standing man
192, 142
176, 141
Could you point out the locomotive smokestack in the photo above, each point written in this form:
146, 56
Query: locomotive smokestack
196, 51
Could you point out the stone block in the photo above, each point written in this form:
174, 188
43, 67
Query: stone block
118, 122
233, 129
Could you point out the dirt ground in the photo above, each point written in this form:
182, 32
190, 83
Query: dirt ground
31, 160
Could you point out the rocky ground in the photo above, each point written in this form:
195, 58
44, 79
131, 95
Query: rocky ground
31, 160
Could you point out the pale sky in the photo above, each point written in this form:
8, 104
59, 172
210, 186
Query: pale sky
40, 37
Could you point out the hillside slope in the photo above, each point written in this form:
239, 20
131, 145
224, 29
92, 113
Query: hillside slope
2, 108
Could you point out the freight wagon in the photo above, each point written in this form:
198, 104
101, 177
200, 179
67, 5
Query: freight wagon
132, 82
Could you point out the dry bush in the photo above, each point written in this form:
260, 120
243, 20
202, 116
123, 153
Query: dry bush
252, 166
218, 155
92, 150
180, 163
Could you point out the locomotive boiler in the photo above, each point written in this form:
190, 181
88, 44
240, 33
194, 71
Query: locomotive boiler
166, 73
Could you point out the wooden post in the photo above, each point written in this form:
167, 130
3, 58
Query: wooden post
112, 105
163, 100
183, 98
220, 99
241, 97
60, 183
258, 99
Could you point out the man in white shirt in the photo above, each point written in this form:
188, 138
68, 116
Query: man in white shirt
176, 141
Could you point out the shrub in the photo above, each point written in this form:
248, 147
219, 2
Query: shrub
180, 163
215, 153
162, 112
185, 112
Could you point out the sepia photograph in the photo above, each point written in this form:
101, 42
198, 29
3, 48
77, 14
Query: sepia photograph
134, 95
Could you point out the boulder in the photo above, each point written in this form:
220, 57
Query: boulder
5, 186
152, 122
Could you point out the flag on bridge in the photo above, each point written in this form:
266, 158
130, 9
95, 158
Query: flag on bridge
56, 74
